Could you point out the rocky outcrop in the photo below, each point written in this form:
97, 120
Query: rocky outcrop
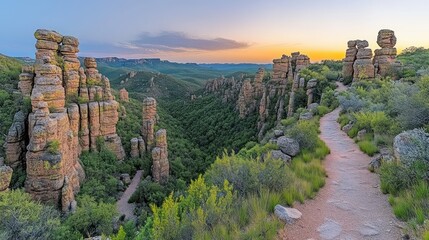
149, 121
360, 64
72, 111
363, 67
277, 154
123, 95
385, 58
411, 146
288, 146
349, 60
160, 164
264, 97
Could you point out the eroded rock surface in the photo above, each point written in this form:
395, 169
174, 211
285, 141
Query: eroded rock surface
72, 110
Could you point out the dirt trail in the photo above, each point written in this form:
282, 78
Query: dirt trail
350, 206
125, 208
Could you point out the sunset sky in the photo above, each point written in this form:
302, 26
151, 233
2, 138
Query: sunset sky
213, 31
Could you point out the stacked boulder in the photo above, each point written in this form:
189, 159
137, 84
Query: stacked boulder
288, 147
63, 122
385, 58
359, 64
349, 60
363, 67
26, 78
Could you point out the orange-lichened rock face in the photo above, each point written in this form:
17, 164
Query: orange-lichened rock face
64, 120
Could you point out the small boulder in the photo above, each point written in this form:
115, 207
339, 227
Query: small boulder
288, 146
411, 146
361, 134
347, 127
278, 133
306, 116
272, 141
312, 107
287, 215
277, 154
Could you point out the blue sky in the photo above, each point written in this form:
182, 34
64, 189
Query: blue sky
213, 31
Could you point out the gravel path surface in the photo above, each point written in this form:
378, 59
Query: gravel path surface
125, 208
350, 205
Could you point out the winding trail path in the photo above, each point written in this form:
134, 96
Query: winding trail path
350, 205
125, 208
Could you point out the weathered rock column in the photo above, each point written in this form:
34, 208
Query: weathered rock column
311, 85
385, 58
349, 60
363, 67
16, 141
26, 79
123, 95
161, 166
291, 106
69, 50
134, 148
149, 120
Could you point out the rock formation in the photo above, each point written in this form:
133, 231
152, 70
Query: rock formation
72, 110
149, 121
123, 95
311, 85
16, 141
385, 58
154, 144
349, 60
263, 97
363, 67
358, 63
26, 78
160, 164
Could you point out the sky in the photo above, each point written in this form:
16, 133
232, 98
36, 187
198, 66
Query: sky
224, 31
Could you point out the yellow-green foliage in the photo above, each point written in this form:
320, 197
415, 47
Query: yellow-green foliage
53, 146
368, 147
236, 197
378, 122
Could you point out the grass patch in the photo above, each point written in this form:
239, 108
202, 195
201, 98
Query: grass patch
368, 147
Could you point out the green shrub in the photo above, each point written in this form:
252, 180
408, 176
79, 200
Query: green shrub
306, 133
353, 131
368, 147
322, 110
343, 120
288, 121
